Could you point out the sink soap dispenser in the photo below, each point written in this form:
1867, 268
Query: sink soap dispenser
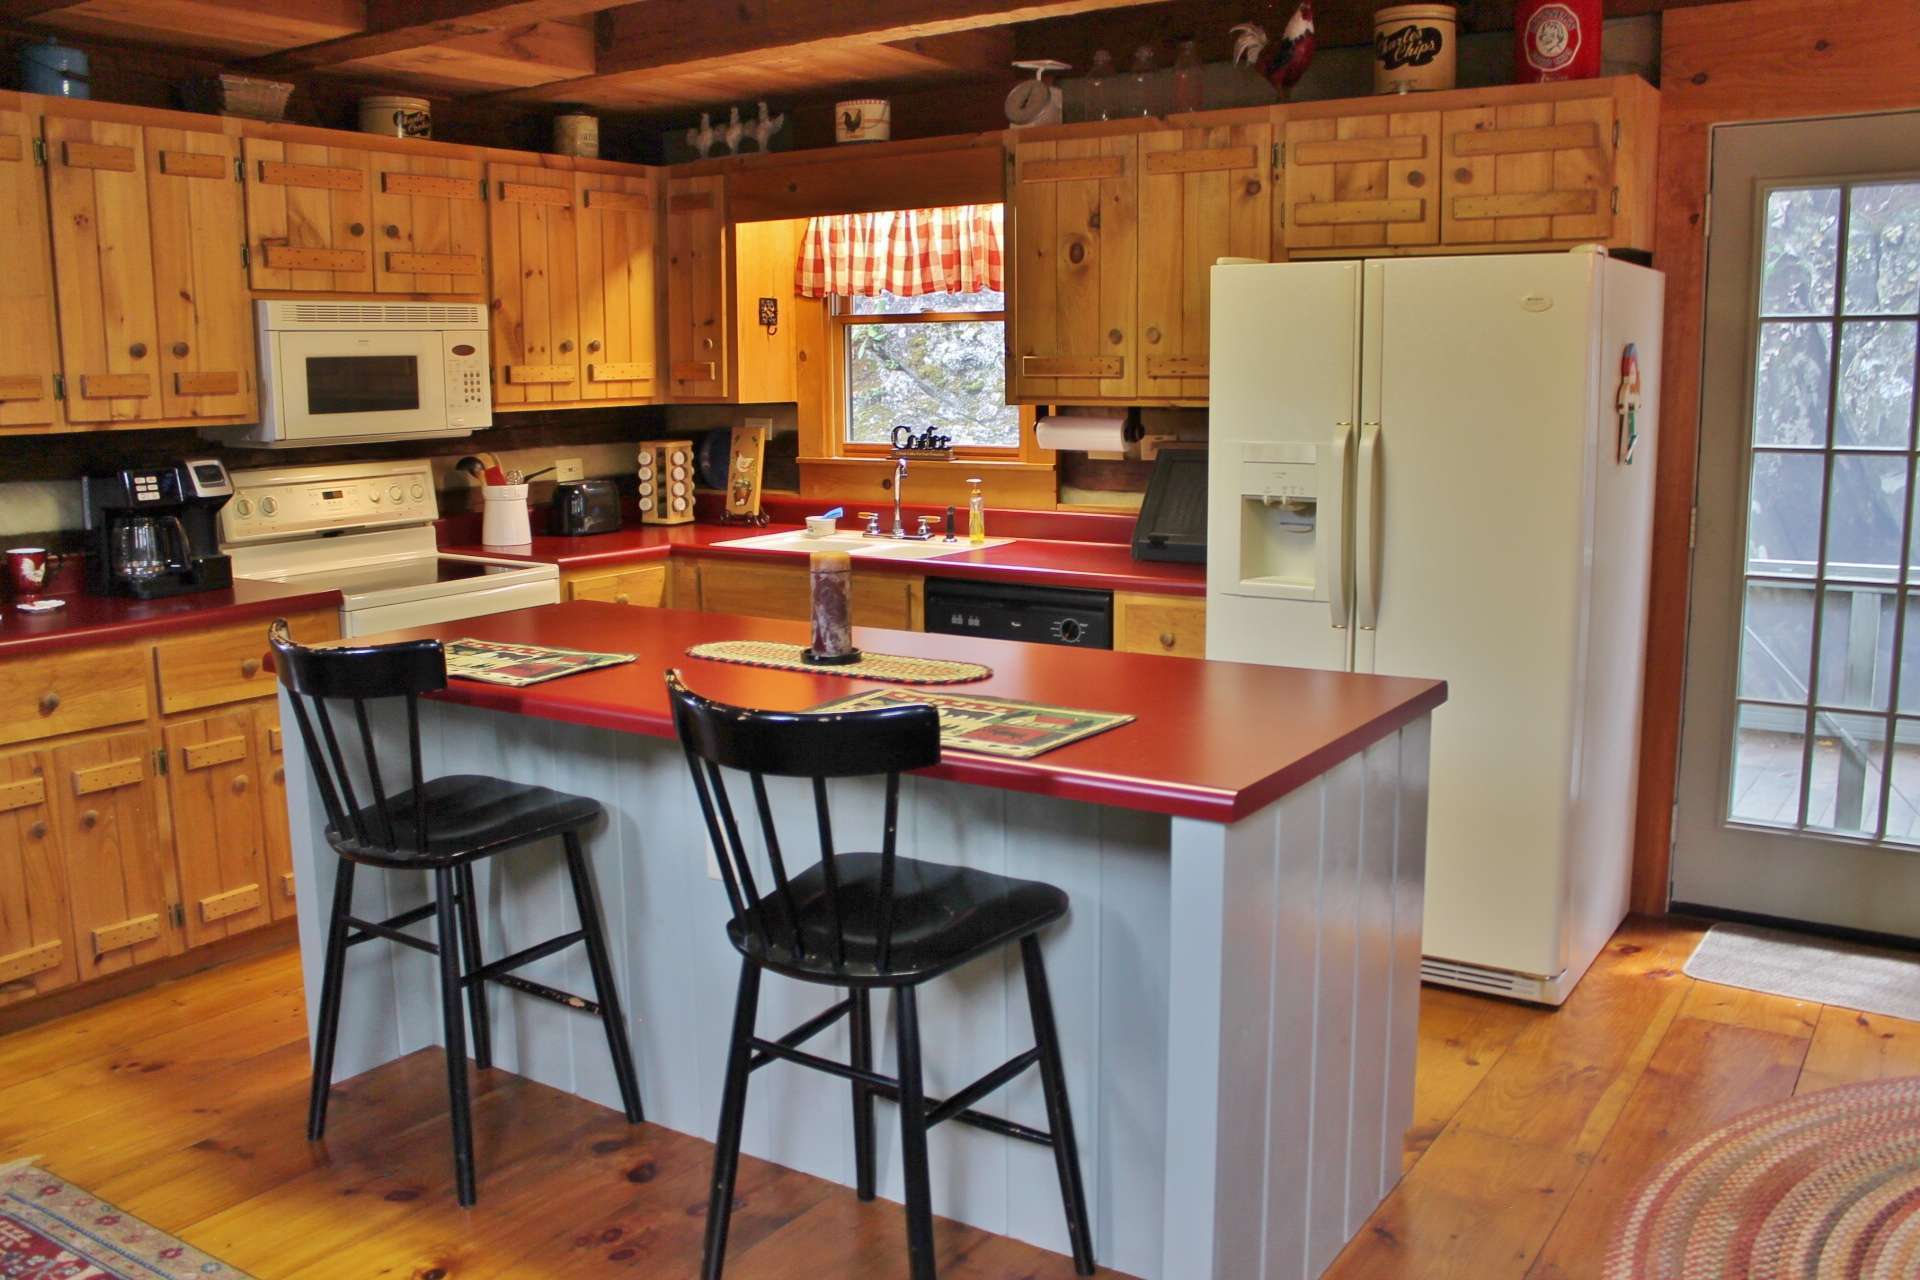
976, 514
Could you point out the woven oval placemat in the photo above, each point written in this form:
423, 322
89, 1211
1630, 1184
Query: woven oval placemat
873, 666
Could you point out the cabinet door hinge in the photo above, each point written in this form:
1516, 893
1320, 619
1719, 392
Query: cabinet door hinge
1279, 156
40, 152
1693, 526
59, 386
160, 761
239, 169
1616, 200
178, 912
246, 256
1616, 133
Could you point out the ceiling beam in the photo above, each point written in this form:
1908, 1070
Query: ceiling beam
688, 37
396, 25
27, 10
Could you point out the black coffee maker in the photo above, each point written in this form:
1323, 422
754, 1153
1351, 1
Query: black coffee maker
152, 531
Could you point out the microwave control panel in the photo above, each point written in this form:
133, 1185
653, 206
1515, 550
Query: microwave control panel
469, 396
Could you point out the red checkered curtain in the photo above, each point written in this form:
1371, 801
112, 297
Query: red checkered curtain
904, 252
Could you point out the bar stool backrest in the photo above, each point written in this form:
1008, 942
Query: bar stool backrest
789, 744
362, 674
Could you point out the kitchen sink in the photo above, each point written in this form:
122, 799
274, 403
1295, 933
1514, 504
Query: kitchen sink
859, 545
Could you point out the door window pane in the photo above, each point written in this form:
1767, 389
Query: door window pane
1883, 249
1791, 383
1776, 642
1783, 524
1903, 801
1856, 648
1802, 251
1768, 748
1876, 385
1843, 792
1866, 516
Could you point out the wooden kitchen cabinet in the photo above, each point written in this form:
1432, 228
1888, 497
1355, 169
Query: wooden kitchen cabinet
309, 217
536, 299
36, 923
1073, 274
697, 310
429, 224
879, 599
1529, 172
29, 358
894, 600
103, 261
202, 310
618, 229
643, 587
269, 743
767, 356
214, 768
121, 883
227, 664
1205, 194
1362, 179
1148, 623
72, 691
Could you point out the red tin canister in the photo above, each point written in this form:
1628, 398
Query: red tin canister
1556, 40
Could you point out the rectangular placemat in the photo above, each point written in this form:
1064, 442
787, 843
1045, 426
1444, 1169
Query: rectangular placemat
991, 726
521, 664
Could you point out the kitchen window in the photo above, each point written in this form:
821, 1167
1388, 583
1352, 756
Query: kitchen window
931, 361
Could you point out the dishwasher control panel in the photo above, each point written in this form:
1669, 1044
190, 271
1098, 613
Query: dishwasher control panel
1002, 611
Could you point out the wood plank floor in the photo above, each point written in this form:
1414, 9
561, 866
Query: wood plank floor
185, 1104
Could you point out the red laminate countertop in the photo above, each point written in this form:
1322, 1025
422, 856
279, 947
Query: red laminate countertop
1211, 740
91, 619
1101, 566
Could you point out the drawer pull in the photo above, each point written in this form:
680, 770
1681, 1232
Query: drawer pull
49, 703
286, 885
240, 785
622, 598
1166, 639
250, 668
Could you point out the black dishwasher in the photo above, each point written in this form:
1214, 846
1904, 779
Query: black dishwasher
1002, 611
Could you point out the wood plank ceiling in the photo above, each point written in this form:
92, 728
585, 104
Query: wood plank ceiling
658, 57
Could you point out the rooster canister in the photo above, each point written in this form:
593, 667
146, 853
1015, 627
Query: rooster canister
1556, 40
1414, 47
665, 474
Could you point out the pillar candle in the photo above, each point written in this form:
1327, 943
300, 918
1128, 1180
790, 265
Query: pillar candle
832, 606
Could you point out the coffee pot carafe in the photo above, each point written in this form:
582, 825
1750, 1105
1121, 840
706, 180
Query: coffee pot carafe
151, 530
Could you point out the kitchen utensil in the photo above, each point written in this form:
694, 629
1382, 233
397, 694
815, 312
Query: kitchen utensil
26, 571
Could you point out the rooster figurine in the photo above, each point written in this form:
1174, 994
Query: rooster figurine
1281, 61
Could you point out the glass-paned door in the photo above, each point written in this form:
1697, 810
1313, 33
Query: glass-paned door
1800, 772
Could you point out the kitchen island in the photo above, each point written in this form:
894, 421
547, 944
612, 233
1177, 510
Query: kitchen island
1236, 987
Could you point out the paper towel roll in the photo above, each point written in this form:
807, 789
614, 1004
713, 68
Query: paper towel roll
1087, 435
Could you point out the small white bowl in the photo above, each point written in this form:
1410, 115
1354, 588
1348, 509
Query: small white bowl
821, 526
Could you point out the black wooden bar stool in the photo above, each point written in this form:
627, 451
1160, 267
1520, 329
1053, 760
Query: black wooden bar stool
442, 825
861, 921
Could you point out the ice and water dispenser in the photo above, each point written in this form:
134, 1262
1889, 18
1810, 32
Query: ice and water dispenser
1291, 543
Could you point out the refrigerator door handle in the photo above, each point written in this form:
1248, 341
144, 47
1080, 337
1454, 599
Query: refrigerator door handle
1366, 523
1333, 525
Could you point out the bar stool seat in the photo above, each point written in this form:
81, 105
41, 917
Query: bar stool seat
468, 818
942, 917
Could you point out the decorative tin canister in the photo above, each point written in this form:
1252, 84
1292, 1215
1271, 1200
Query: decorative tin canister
575, 133
1556, 40
397, 116
1414, 47
862, 120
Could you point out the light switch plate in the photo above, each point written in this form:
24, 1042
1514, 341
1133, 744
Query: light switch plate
565, 469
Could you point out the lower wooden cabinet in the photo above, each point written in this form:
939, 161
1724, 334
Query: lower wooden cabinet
120, 880
643, 587
36, 926
214, 784
1175, 625
783, 591
273, 809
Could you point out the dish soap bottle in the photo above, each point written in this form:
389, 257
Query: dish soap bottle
976, 514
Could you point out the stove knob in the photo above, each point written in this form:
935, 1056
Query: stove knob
268, 506
396, 493
242, 508
373, 496
419, 492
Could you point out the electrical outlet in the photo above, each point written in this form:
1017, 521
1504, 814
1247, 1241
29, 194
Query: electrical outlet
565, 469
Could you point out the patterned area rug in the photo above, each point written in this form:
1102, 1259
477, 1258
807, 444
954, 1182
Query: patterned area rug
52, 1230
1824, 1185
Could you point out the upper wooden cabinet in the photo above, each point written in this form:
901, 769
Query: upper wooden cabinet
1073, 280
1363, 180
1205, 194
697, 311
1529, 172
429, 226
29, 362
766, 366
309, 217
536, 298
618, 229
201, 305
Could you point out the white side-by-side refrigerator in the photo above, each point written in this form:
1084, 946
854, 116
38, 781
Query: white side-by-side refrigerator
1442, 467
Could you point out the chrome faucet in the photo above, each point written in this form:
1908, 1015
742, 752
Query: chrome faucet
899, 484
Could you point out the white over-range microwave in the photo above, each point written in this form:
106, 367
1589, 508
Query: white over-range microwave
360, 372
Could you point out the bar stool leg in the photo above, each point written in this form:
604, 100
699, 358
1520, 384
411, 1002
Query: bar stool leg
587, 906
861, 1023
453, 1018
1066, 1152
733, 1116
470, 949
332, 974
913, 1139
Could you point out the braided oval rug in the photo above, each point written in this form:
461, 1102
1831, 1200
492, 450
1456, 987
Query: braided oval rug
1818, 1186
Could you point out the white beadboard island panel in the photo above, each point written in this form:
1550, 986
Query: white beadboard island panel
1236, 1002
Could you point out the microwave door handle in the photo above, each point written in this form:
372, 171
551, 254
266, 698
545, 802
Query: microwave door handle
1366, 524
1332, 520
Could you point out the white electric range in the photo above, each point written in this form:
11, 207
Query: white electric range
366, 530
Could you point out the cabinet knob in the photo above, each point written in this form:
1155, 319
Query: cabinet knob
179, 351
138, 350
393, 231
90, 819
280, 775
356, 228
1253, 186
240, 785
594, 345
706, 344
38, 831
1166, 639
1153, 334
566, 345
1116, 337
623, 598
250, 668
49, 703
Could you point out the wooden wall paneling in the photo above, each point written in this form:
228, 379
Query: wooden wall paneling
1363, 180
535, 274
309, 196
103, 261
764, 257
36, 921
1204, 194
213, 784
618, 228
276, 837
120, 886
203, 311
28, 358
698, 346
1532, 171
